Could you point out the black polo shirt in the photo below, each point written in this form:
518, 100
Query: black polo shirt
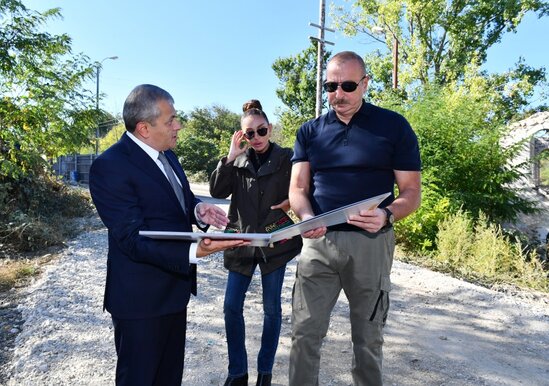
353, 162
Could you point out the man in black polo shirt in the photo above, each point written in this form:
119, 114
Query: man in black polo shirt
355, 151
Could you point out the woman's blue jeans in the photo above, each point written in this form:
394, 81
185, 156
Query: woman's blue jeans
233, 308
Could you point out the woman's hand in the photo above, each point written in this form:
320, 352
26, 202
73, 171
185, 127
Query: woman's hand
284, 205
239, 144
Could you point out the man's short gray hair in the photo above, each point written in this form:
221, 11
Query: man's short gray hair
142, 105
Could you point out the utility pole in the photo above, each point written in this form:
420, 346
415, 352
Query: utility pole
319, 62
98, 70
395, 62
382, 31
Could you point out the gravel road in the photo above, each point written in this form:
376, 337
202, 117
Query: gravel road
440, 330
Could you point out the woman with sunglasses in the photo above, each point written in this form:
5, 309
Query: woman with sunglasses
256, 173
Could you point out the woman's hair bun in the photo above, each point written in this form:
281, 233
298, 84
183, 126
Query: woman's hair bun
251, 104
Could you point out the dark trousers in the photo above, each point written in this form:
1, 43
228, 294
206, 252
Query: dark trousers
150, 351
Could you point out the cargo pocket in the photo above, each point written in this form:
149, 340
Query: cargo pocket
297, 293
381, 308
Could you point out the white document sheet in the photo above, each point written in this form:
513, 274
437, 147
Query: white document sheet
256, 239
333, 217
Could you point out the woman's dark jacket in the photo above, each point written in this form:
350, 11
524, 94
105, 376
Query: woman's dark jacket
253, 193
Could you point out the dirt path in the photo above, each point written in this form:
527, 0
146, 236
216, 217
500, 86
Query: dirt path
440, 331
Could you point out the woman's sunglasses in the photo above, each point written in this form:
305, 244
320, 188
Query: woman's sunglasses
262, 131
347, 86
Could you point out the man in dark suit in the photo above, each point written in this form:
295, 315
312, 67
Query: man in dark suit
138, 184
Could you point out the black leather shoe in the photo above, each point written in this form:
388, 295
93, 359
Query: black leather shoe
240, 381
264, 380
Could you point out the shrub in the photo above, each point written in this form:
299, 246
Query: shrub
481, 251
416, 234
34, 213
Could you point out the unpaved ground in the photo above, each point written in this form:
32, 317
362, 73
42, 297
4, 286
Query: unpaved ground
440, 331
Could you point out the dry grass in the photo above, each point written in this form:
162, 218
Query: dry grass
480, 251
14, 272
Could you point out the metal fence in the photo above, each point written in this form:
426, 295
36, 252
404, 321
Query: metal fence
74, 168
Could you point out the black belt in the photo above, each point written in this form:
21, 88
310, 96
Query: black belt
352, 228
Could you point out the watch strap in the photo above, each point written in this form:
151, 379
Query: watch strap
389, 219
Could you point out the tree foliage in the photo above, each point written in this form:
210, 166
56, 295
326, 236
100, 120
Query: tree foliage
297, 91
439, 39
111, 137
44, 109
205, 138
44, 112
465, 166
460, 139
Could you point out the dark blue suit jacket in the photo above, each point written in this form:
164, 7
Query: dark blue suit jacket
145, 277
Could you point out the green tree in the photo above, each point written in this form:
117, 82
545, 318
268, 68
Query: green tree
514, 90
44, 112
44, 109
297, 91
205, 138
111, 137
464, 163
439, 39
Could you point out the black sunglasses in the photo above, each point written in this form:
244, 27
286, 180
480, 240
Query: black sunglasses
262, 131
347, 86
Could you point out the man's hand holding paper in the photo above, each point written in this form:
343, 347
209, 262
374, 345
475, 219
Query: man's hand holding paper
208, 246
370, 220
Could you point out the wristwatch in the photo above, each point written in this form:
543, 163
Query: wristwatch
390, 218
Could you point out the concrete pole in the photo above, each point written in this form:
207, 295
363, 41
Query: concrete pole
395, 62
98, 70
319, 69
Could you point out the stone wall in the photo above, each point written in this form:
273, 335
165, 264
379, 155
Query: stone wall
533, 132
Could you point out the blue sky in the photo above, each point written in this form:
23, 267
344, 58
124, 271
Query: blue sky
221, 52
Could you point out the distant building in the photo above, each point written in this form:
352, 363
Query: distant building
533, 132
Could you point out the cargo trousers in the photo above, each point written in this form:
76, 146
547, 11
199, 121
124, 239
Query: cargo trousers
359, 263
